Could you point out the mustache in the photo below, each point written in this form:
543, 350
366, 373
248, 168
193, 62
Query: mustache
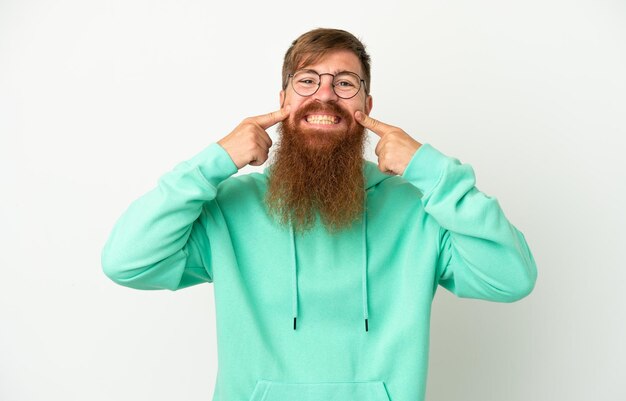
319, 107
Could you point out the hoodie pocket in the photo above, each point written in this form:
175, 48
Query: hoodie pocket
266, 390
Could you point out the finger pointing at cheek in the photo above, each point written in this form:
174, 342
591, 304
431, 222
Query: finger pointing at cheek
377, 127
270, 119
395, 148
249, 143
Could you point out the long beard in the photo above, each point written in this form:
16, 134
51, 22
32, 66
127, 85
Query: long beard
316, 173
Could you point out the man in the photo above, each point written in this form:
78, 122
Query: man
324, 265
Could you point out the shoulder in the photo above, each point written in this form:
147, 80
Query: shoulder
242, 187
381, 184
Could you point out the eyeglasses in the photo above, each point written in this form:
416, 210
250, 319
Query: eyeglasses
346, 84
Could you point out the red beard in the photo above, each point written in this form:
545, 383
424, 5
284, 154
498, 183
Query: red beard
318, 172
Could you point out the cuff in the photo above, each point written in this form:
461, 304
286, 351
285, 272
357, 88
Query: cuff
214, 163
425, 168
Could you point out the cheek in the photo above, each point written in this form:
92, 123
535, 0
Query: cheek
352, 108
292, 120
356, 104
292, 100
296, 108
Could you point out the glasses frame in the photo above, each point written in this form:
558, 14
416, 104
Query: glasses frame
362, 83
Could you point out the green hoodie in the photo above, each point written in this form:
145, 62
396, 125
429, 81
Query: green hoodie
315, 316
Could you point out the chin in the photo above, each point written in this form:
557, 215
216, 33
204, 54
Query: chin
319, 143
319, 138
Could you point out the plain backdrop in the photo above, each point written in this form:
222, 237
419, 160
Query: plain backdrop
98, 99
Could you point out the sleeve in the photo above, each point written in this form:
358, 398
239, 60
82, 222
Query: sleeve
160, 241
481, 254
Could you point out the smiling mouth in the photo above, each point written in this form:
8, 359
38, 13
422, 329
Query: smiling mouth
322, 119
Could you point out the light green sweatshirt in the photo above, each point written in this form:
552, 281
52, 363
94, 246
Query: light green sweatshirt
314, 316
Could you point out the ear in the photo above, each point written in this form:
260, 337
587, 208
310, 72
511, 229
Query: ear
282, 98
369, 103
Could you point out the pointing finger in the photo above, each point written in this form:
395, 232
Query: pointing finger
377, 127
267, 120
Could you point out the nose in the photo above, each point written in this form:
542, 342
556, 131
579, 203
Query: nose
326, 91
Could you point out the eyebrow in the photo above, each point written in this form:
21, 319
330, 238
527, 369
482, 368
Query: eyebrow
336, 73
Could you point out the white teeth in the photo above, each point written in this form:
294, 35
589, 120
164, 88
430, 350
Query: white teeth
322, 119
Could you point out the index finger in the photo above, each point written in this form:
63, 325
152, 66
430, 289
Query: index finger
377, 127
267, 120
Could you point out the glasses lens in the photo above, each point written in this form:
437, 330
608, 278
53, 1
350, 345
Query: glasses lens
346, 84
305, 83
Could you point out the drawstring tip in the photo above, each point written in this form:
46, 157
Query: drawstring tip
366, 325
294, 323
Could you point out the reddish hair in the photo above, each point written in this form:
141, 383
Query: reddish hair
317, 43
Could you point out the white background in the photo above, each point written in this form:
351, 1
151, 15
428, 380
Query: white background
99, 98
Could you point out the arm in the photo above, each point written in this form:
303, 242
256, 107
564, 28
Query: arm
160, 241
482, 255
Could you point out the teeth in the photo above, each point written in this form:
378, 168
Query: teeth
322, 119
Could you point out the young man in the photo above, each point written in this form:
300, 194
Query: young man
325, 265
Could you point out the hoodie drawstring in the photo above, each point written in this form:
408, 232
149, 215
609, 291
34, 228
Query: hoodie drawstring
364, 278
294, 304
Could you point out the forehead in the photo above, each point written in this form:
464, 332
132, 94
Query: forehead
336, 61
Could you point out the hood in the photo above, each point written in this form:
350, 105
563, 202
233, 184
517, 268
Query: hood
373, 175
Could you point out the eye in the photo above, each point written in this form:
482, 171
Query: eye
345, 84
346, 81
306, 79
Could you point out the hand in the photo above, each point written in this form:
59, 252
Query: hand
395, 148
248, 143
